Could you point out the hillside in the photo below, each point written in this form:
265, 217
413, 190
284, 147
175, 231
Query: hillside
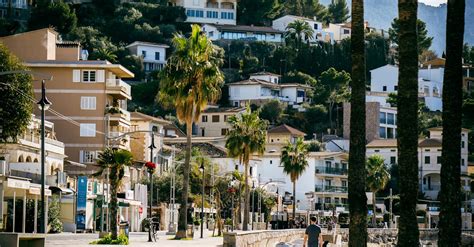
435, 18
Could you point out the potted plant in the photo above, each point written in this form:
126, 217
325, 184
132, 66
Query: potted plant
197, 223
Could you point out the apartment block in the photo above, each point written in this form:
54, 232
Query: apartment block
213, 121
153, 55
209, 11
89, 98
319, 34
245, 33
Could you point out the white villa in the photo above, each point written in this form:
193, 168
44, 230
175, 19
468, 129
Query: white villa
320, 34
209, 11
340, 31
154, 55
384, 80
246, 33
264, 86
429, 159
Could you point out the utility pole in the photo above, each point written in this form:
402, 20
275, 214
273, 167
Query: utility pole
151, 147
44, 105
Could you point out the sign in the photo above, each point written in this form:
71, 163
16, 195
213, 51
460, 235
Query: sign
37, 191
18, 184
81, 203
140, 210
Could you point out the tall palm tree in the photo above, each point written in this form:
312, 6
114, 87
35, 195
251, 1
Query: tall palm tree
450, 216
300, 31
378, 177
190, 80
113, 162
246, 137
407, 125
293, 158
357, 173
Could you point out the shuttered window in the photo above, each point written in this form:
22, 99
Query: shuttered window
88, 103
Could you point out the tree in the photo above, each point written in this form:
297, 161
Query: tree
313, 8
190, 80
293, 7
16, 100
293, 158
450, 194
53, 13
299, 31
338, 12
423, 40
254, 12
113, 162
407, 124
427, 55
54, 215
272, 111
246, 137
468, 54
357, 173
377, 178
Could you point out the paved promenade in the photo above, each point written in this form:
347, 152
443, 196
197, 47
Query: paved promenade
139, 239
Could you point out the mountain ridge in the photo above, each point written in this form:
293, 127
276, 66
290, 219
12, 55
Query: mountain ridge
434, 17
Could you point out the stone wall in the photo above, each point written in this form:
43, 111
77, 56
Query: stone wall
372, 122
261, 238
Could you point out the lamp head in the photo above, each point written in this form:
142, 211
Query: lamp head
44, 103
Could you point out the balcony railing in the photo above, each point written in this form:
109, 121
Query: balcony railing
329, 188
331, 170
114, 83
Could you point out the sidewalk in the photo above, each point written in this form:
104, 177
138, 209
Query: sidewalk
137, 239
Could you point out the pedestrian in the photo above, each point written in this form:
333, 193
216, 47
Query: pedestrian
312, 236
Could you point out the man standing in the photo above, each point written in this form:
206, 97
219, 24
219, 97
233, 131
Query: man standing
312, 236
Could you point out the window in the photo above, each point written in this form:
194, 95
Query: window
316, 26
87, 156
391, 118
211, 34
390, 133
226, 117
393, 160
382, 132
88, 75
271, 162
272, 36
212, 14
236, 167
383, 118
87, 130
395, 88
438, 160
384, 88
344, 183
462, 144
227, 15
199, 13
215, 118
143, 53
204, 118
251, 171
154, 129
224, 131
347, 31
203, 132
88, 103
462, 162
427, 159
157, 56
327, 200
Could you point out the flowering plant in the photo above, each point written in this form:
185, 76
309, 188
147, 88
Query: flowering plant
150, 166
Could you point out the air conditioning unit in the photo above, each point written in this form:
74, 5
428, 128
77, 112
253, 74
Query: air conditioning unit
4, 168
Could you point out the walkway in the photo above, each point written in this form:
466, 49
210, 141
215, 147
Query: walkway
137, 239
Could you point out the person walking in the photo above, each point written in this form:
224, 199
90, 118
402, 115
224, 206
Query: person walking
312, 236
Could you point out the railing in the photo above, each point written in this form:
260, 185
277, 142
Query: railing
328, 188
119, 83
122, 114
331, 170
431, 187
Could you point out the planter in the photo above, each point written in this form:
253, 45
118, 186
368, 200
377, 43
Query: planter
211, 226
190, 232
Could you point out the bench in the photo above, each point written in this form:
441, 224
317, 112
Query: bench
10, 239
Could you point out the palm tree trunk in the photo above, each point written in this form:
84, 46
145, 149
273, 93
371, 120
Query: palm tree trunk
407, 127
450, 216
183, 209
246, 198
113, 204
357, 173
294, 201
374, 217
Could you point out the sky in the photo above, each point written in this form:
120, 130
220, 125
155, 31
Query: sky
433, 2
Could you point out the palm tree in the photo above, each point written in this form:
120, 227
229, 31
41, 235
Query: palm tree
357, 173
293, 158
407, 125
300, 31
113, 162
190, 80
246, 137
450, 217
377, 178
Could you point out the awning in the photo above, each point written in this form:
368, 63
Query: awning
75, 163
64, 191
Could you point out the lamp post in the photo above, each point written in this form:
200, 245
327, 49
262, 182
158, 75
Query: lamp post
44, 104
232, 191
253, 203
201, 168
278, 210
151, 147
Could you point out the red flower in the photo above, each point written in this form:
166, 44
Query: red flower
150, 165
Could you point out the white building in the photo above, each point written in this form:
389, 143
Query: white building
265, 86
384, 80
247, 33
154, 55
340, 31
320, 34
209, 11
429, 159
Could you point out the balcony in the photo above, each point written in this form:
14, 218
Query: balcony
118, 88
330, 189
331, 171
117, 115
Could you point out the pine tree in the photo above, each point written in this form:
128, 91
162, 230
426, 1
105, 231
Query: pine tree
338, 12
313, 8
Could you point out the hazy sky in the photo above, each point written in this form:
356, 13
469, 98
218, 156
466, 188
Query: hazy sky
433, 2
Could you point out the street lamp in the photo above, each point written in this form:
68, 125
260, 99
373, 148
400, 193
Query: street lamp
201, 168
232, 191
253, 203
278, 209
43, 104
151, 147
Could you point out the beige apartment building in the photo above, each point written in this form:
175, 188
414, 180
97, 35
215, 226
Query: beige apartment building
279, 136
89, 98
213, 121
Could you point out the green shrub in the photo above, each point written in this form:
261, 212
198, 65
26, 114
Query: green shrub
121, 240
